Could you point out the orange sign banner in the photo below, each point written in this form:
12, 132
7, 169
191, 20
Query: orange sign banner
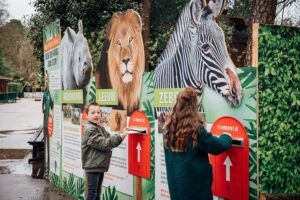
53, 43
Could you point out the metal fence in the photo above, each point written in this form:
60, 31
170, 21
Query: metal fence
9, 97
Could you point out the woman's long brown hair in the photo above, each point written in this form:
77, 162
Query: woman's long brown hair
184, 122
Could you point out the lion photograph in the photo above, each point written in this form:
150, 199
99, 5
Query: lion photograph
122, 60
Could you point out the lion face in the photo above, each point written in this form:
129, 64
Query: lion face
125, 53
123, 58
126, 44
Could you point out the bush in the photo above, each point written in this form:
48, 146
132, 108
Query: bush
14, 87
279, 127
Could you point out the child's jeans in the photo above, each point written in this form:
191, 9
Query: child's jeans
94, 180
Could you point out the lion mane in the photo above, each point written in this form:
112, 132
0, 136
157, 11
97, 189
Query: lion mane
122, 61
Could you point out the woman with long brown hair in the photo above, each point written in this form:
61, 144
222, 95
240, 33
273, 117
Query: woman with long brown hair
187, 144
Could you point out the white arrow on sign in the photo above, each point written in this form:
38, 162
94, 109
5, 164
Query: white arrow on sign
138, 148
228, 164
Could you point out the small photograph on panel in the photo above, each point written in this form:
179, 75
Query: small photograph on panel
105, 112
117, 120
76, 116
67, 110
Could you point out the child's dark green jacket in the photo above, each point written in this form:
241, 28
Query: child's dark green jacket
189, 173
96, 148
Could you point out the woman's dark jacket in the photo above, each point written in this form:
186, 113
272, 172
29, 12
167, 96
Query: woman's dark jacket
189, 173
96, 148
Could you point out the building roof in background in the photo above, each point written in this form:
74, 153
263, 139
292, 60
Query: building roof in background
5, 78
33, 76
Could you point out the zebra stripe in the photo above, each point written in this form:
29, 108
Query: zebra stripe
195, 55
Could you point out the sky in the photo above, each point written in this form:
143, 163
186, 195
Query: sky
18, 8
292, 12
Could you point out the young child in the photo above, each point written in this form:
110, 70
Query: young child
96, 150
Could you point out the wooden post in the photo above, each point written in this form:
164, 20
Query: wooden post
139, 194
254, 63
254, 49
262, 197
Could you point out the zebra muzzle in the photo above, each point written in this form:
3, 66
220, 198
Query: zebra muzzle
235, 88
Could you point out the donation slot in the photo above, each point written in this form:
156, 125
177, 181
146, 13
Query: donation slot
237, 142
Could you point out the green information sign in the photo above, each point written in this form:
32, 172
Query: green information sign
107, 97
72, 96
57, 97
51, 30
166, 97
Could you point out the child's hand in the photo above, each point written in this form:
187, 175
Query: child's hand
123, 135
126, 129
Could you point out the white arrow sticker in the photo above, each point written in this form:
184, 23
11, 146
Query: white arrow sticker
138, 148
228, 164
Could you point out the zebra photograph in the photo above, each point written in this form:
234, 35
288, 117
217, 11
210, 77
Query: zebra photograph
196, 55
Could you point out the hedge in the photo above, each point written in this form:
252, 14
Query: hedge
279, 127
14, 87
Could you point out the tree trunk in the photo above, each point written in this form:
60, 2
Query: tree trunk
263, 12
146, 11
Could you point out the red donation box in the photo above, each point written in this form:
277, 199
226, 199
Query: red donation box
139, 141
231, 168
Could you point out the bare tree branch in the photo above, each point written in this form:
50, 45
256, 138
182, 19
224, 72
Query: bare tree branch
286, 3
280, 2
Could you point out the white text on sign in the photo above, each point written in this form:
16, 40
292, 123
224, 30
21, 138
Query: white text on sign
139, 120
107, 96
228, 128
167, 97
72, 96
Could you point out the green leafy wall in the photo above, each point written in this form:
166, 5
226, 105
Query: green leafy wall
279, 127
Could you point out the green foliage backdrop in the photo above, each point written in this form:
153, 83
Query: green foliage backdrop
279, 127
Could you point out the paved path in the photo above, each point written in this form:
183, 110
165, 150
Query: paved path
14, 187
18, 122
26, 114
